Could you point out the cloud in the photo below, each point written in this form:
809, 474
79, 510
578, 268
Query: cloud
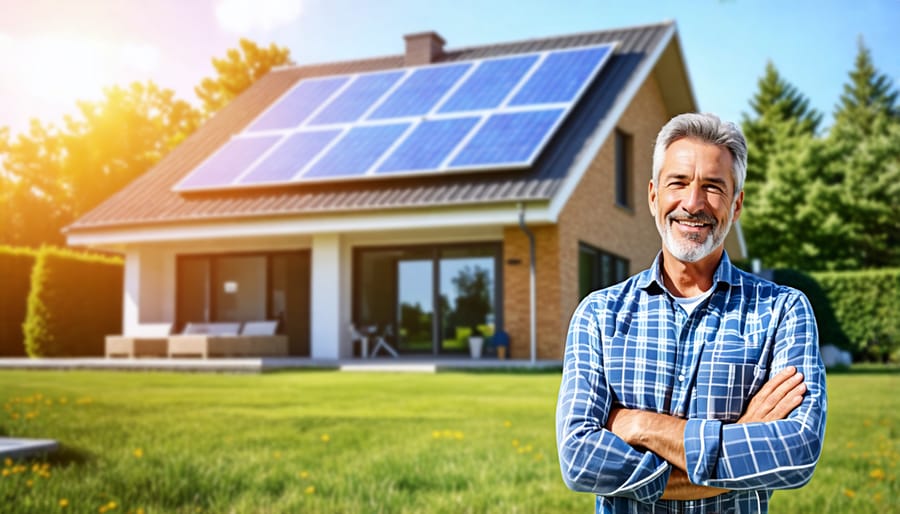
243, 16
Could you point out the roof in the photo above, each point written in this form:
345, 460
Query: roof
150, 201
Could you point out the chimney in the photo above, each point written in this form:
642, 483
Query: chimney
423, 48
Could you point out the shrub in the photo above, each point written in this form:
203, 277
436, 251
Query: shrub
831, 329
867, 305
75, 300
15, 277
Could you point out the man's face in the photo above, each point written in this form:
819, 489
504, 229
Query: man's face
694, 202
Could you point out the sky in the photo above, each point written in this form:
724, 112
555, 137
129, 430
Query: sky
55, 52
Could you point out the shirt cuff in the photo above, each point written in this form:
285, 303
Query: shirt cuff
702, 438
648, 482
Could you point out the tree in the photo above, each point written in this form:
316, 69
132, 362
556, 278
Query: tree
778, 110
240, 68
52, 175
865, 161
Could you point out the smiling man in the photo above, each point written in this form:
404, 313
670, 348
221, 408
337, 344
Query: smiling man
692, 387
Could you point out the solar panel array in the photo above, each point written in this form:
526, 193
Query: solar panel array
487, 114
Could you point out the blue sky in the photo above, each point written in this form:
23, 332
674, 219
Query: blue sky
56, 51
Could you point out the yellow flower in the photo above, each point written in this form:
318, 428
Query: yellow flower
29, 483
515, 442
877, 474
63, 503
111, 505
849, 493
507, 423
276, 455
138, 453
102, 509
310, 490
436, 434
326, 438
303, 474
5, 472
7, 462
458, 435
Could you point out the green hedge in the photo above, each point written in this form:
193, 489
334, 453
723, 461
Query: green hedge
858, 311
867, 304
15, 277
74, 301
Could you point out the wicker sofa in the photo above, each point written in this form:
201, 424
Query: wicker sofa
250, 339
146, 340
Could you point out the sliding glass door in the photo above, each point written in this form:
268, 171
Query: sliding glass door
427, 299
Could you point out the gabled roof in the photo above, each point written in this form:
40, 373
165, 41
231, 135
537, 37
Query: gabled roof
150, 201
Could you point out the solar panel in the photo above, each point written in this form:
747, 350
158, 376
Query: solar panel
298, 104
428, 145
489, 84
561, 76
357, 151
229, 162
289, 157
418, 94
483, 114
358, 98
508, 138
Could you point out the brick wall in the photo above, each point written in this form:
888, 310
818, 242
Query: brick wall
590, 216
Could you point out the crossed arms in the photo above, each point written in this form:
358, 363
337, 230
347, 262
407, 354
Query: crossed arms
663, 434
613, 451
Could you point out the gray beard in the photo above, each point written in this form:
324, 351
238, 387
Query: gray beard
690, 248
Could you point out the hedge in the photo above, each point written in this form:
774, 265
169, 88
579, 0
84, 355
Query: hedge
15, 277
867, 304
858, 311
74, 301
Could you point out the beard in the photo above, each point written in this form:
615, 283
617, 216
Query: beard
693, 247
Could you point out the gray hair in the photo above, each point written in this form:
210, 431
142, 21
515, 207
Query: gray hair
708, 128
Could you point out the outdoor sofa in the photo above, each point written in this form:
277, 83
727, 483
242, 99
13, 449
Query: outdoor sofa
147, 340
250, 339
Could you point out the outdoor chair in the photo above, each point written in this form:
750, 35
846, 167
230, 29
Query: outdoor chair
381, 343
148, 339
356, 335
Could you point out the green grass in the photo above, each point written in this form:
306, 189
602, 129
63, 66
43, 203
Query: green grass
344, 442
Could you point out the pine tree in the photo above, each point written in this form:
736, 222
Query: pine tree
865, 162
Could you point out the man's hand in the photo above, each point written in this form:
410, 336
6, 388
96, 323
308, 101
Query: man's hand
777, 398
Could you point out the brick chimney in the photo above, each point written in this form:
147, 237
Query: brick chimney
423, 48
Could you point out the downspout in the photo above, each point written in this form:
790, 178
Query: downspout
531, 283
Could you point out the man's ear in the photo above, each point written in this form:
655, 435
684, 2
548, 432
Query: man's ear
651, 198
738, 206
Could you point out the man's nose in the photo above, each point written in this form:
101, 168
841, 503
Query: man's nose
696, 198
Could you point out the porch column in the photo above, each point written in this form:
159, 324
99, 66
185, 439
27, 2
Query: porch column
131, 308
325, 305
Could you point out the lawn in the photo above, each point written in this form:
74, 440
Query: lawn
344, 442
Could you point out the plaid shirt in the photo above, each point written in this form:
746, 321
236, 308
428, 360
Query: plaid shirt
631, 345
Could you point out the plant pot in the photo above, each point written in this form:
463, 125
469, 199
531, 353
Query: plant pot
475, 345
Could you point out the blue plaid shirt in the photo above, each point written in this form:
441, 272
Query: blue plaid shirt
631, 345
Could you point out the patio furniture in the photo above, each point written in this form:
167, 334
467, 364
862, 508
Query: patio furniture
148, 339
380, 341
356, 335
253, 339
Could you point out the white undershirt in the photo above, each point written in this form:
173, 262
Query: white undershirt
689, 304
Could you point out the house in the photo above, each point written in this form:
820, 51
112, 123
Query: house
223, 230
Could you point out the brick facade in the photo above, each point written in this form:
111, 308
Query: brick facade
590, 216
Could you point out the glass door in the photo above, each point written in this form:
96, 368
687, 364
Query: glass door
467, 296
415, 304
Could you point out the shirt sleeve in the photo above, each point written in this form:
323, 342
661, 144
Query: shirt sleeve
776, 454
593, 459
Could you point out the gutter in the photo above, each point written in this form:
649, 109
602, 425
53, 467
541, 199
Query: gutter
531, 284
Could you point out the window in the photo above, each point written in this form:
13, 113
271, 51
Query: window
623, 169
247, 287
598, 269
429, 299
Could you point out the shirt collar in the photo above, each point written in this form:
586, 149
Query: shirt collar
725, 274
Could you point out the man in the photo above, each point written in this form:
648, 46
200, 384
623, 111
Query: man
692, 386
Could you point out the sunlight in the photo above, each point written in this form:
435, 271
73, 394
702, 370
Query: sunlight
62, 68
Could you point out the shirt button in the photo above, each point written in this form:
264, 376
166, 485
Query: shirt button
681, 378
